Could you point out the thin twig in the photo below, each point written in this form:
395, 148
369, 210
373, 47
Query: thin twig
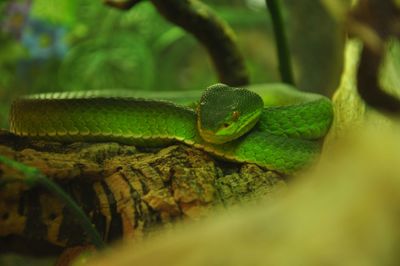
285, 66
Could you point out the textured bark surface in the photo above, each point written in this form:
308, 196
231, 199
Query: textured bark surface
125, 191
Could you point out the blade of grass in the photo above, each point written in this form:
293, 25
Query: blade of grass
35, 177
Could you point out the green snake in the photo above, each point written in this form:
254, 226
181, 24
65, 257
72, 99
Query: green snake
273, 126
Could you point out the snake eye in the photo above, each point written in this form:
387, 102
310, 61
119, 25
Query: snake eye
235, 115
225, 125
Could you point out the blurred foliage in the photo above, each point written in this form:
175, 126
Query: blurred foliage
53, 45
390, 78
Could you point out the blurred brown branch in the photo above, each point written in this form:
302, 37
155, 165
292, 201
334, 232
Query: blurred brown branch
211, 31
374, 22
216, 36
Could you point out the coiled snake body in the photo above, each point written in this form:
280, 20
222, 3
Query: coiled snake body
279, 131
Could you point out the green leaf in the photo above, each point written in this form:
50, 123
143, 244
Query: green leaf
55, 11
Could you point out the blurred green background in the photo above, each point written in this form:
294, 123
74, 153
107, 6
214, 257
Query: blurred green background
59, 45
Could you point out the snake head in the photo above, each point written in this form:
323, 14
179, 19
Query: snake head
226, 113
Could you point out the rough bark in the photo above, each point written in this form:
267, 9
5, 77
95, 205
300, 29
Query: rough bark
126, 192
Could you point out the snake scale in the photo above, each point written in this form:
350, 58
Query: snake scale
284, 135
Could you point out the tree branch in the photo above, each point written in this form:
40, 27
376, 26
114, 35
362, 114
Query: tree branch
125, 193
216, 36
374, 22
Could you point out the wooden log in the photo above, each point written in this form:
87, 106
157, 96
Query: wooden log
126, 192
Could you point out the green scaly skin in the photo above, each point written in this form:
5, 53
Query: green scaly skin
285, 139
